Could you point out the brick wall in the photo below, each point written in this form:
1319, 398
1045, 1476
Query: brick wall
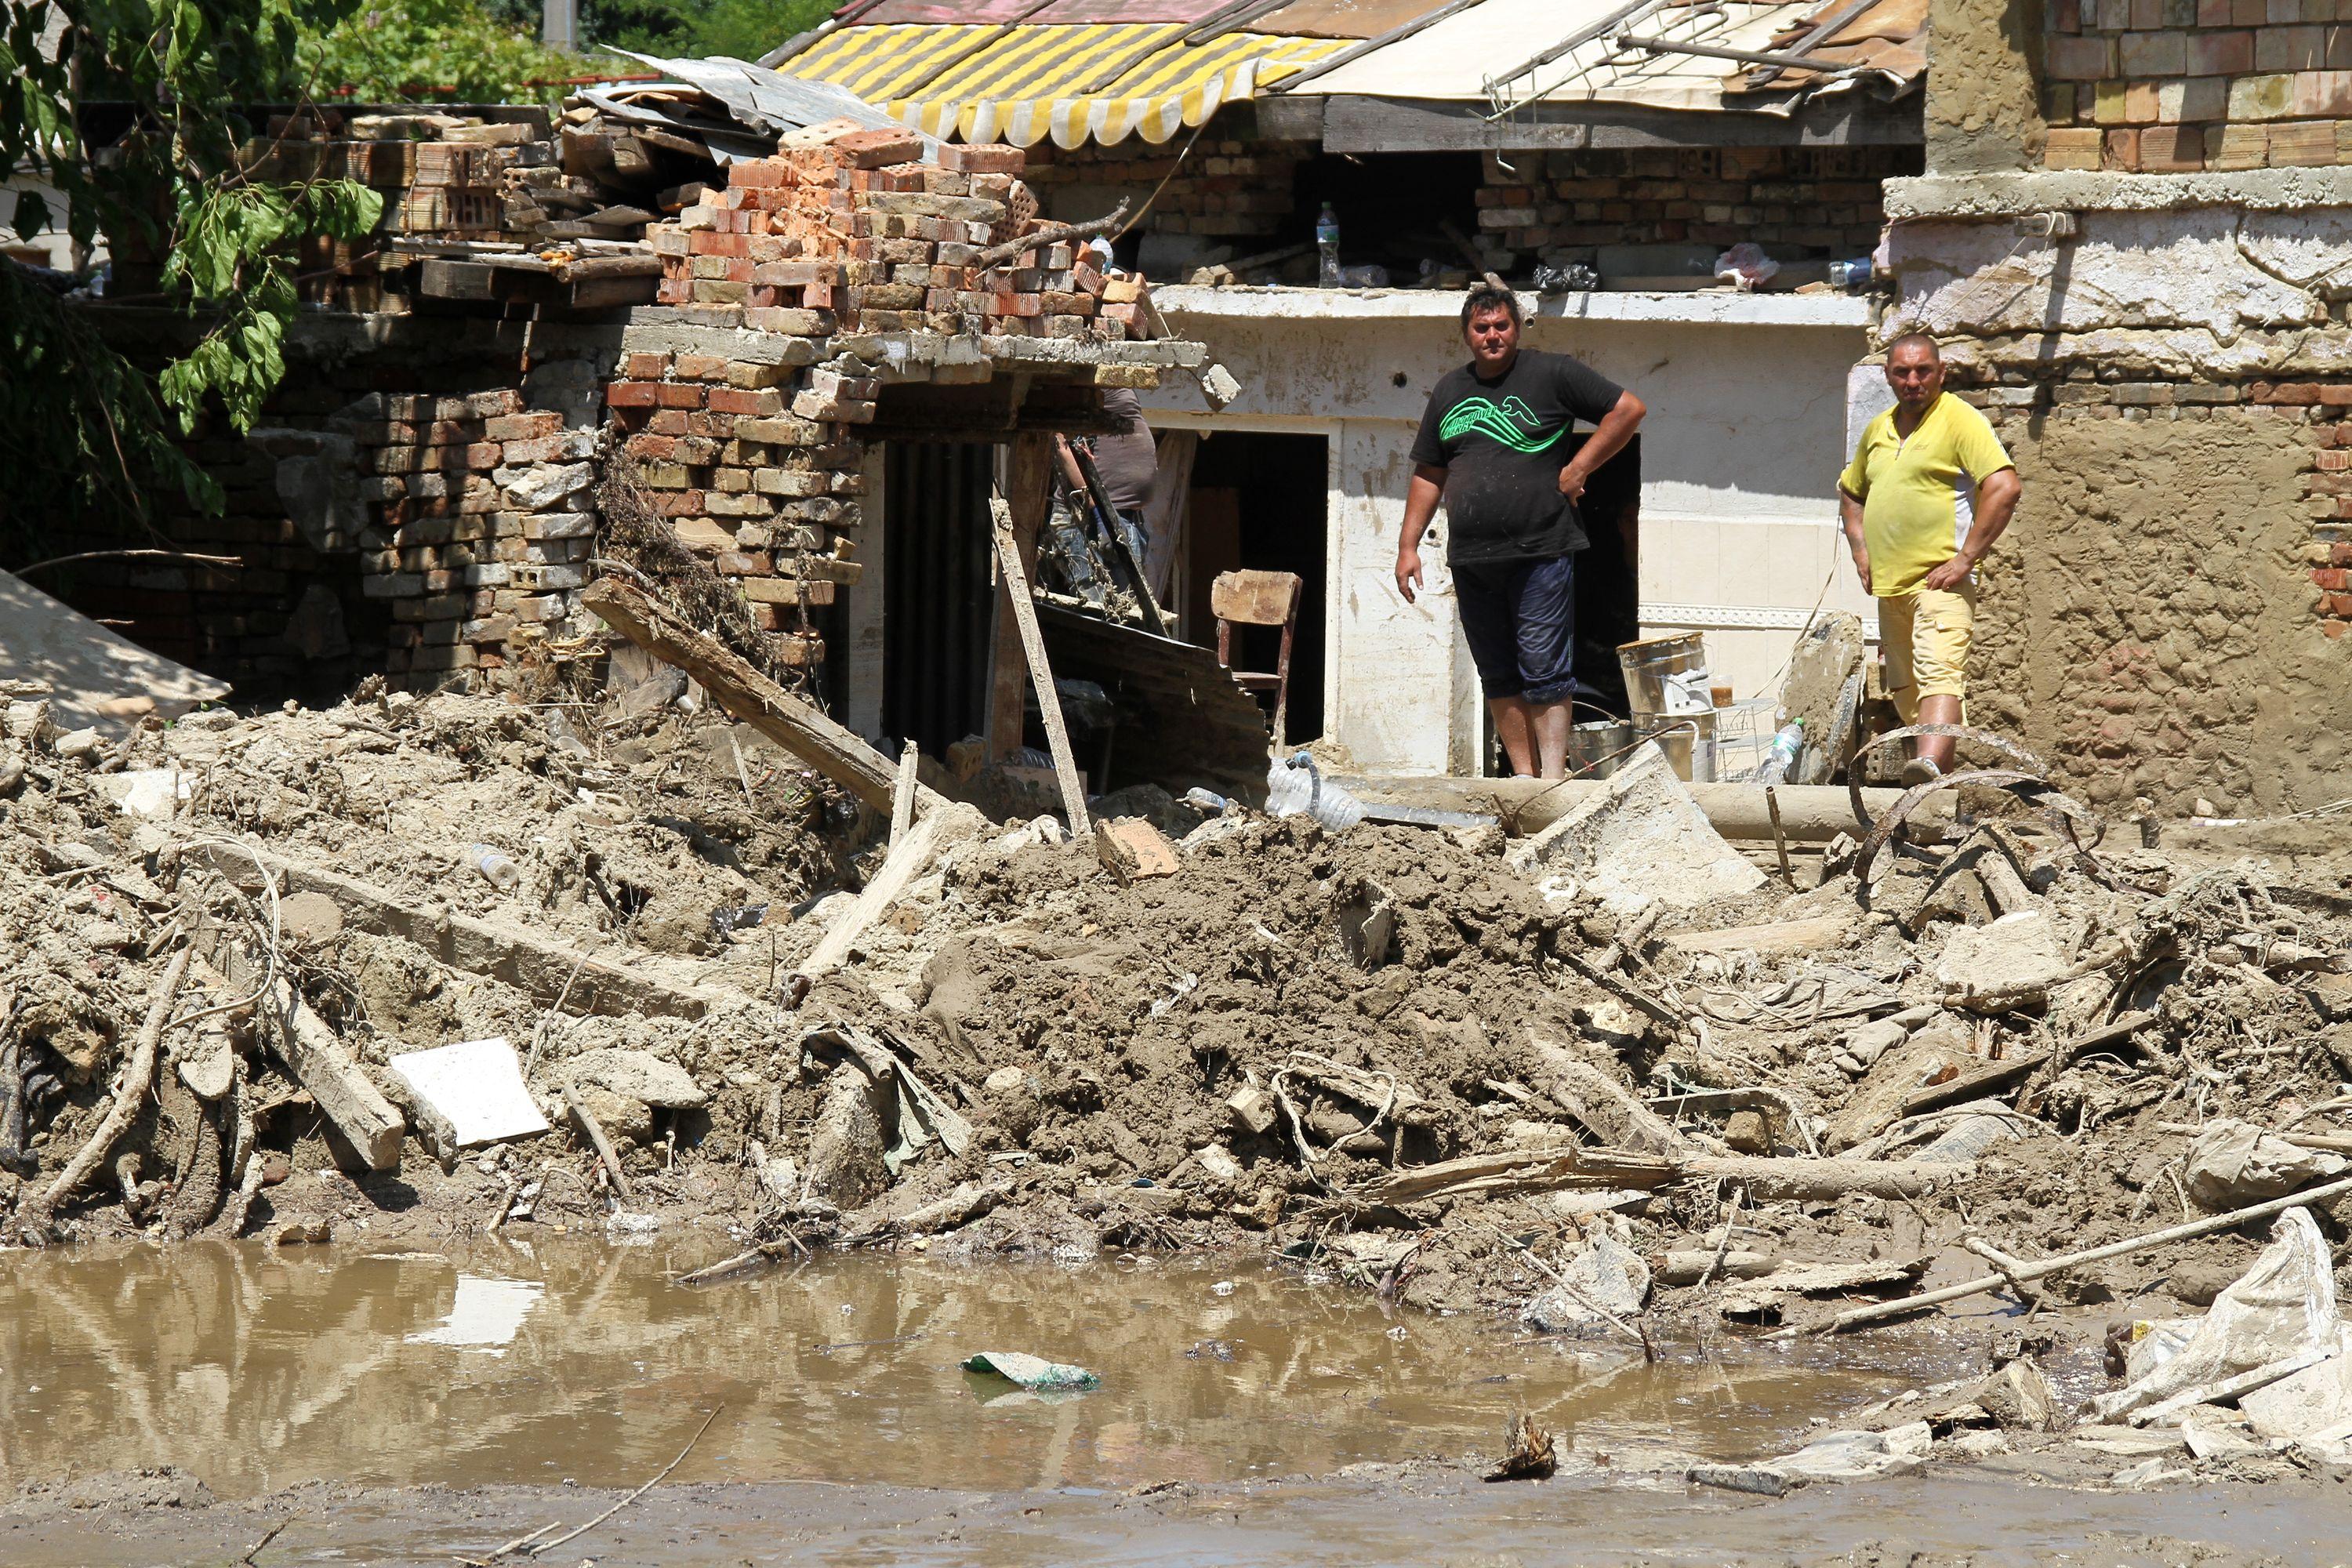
1237, 189
1558, 206
2177, 86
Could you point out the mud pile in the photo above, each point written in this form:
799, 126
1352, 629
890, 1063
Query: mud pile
1405, 1056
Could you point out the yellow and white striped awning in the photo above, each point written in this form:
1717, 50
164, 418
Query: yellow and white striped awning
1076, 83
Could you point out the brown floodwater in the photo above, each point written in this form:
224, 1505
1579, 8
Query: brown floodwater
575, 1361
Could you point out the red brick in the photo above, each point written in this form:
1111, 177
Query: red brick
738, 400
2219, 53
670, 422
652, 448
2334, 629
522, 426
635, 393
2290, 392
644, 366
2338, 604
2334, 579
876, 149
984, 158
676, 395
699, 367
755, 174
2172, 149
2068, 60
2122, 150
2340, 553
2337, 396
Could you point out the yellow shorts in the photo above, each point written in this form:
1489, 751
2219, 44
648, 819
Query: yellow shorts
1924, 637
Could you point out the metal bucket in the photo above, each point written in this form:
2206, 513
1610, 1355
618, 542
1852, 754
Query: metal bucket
1666, 677
1597, 749
1688, 744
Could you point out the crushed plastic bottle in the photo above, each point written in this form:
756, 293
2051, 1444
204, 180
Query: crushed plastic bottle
1786, 744
491, 862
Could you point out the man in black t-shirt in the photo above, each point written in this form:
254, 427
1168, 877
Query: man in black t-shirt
1491, 446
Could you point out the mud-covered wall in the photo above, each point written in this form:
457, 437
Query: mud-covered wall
1984, 103
2170, 617
2147, 625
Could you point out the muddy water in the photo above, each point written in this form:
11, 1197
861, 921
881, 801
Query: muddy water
541, 1363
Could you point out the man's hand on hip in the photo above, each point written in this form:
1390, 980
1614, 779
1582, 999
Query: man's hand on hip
1571, 482
1408, 573
1943, 579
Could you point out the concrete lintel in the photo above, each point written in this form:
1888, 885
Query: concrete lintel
1693, 306
1042, 353
1964, 198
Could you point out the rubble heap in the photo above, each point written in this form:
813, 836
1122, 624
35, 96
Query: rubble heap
1465, 1070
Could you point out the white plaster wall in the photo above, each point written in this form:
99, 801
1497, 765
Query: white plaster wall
1741, 450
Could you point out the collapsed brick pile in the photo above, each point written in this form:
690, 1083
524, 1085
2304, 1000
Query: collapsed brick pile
849, 229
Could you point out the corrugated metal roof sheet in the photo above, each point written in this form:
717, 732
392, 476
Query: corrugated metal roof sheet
1020, 84
1490, 51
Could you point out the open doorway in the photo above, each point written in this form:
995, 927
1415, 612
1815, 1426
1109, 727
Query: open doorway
1608, 594
1258, 503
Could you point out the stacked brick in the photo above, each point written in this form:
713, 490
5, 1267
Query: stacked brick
757, 467
2327, 482
1219, 190
2178, 86
850, 232
482, 527
1560, 207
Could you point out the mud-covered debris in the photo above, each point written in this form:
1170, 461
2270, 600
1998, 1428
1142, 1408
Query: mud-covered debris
1032, 1372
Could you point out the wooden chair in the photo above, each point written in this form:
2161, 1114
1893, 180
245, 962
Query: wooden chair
1259, 599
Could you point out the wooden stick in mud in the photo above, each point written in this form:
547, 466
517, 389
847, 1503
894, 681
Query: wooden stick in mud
1041, 673
666, 1470
603, 1146
2034, 1268
137, 1079
743, 1263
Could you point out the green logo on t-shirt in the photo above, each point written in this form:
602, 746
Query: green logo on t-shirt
1495, 423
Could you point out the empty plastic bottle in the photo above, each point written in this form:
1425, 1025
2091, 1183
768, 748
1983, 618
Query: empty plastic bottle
503, 874
1786, 744
1327, 245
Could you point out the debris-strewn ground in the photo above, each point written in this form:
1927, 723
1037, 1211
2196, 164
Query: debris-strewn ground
1443, 1067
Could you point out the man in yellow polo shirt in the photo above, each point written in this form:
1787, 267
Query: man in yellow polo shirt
1927, 492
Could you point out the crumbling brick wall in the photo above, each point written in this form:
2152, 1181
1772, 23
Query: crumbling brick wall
2177, 86
1558, 206
1239, 187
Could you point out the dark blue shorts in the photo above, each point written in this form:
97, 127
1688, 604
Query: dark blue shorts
1521, 619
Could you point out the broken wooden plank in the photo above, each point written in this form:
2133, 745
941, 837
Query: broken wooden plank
1609, 1111
904, 863
749, 696
1774, 937
1771, 1178
1041, 670
311, 1051
531, 963
1519, 1171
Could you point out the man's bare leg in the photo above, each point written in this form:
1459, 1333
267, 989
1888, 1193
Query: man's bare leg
1512, 727
1549, 723
1938, 749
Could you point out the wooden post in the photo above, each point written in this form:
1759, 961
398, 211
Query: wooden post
1041, 673
1030, 489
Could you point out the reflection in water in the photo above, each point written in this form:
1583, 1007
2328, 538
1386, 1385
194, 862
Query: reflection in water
488, 1315
257, 1369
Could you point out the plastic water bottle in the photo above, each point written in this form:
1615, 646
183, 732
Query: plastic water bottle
1327, 245
503, 874
1786, 744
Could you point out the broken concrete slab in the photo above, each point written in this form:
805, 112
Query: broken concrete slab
1642, 839
1606, 1279
469, 1094
2016, 955
640, 1076
95, 675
